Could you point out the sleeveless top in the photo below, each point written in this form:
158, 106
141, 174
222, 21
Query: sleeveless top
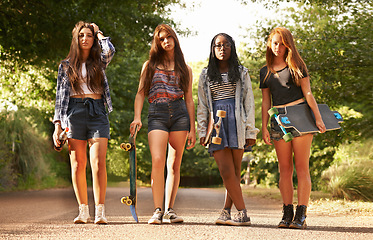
164, 87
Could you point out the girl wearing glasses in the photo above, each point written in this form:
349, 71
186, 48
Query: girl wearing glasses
81, 99
226, 85
285, 82
166, 81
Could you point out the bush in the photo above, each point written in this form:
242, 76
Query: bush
351, 177
26, 156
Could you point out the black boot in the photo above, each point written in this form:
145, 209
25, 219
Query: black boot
287, 217
299, 221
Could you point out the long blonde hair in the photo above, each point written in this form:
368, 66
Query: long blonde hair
292, 57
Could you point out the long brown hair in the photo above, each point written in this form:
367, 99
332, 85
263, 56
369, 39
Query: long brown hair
157, 57
93, 63
292, 57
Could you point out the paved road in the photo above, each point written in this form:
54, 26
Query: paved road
48, 214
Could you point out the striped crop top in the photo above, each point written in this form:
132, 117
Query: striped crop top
164, 87
223, 90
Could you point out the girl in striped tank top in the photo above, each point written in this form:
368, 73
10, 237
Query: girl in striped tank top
166, 81
226, 85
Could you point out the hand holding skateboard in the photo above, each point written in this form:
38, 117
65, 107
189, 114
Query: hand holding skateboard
217, 126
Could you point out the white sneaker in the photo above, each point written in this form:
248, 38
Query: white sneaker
83, 216
170, 216
157, 217
100, 214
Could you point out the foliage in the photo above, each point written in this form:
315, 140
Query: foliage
351, 175
36, 35
27, 160
332, 39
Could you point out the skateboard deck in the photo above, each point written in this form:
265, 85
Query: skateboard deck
131, 200
301, 118
212, 125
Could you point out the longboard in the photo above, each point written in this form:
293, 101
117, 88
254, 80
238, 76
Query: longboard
131, 200
211, 126
301, 118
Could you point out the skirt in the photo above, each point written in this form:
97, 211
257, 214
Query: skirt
228, 130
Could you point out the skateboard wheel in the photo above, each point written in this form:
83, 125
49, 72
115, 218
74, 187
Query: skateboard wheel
126, 146
288, 137
126, 200
272, 111
220, 113
216, 140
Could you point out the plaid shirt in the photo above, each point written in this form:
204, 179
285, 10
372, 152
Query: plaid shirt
64, 86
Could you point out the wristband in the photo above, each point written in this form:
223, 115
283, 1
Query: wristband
99, 31
57, 123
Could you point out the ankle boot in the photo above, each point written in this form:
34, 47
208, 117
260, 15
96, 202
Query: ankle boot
287, 217
299, 221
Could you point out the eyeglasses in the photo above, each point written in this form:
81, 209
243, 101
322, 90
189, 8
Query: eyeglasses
226, 45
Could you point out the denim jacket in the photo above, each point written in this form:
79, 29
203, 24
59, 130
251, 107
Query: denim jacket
64, 86
244, 112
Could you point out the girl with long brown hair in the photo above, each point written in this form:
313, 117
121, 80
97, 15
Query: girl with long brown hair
82, 97
285, 82
166, 80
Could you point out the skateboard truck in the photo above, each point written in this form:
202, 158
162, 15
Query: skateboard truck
220, 114
127, 146
128, 200
273, 112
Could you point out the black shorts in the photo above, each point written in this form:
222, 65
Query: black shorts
168, 116
87, 118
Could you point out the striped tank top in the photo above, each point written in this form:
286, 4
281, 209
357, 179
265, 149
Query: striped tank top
165, 87
223, 90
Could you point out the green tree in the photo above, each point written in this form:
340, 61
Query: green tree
334, 38
35, 36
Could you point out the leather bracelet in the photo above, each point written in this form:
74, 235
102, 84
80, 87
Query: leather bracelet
99, 31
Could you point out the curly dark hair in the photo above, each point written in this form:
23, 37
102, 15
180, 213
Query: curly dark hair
213, 67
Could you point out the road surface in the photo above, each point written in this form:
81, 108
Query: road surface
49, 214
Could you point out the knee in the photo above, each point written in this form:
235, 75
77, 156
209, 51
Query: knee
98, 165
286, 171
226, 174
78, 166
158, 164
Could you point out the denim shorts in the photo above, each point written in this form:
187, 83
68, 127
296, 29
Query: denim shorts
87, 118
168, 116
228, 129
276, 132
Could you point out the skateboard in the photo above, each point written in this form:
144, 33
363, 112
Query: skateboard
301, 118
211, 126
131, 200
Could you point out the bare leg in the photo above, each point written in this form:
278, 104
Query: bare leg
285, 164
98, 149
302, 149
78, 161
225, 160
158, 140
176, 147
237, 160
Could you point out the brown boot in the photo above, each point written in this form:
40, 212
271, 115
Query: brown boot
287, 217
299, 221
